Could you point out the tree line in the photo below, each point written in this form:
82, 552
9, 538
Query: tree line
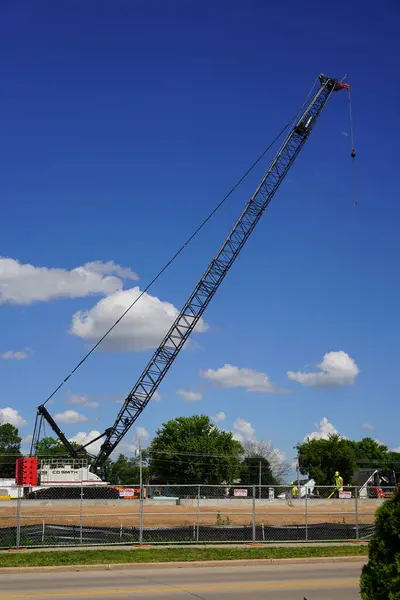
320, 459
193, 450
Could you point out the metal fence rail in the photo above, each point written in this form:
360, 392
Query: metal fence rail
186, 514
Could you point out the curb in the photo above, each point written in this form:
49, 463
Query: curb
182, 565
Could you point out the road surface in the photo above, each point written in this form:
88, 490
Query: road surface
253, 582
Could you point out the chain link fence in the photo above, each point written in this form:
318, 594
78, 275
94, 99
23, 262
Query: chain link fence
186, 514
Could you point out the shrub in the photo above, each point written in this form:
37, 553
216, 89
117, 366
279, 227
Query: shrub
380, 579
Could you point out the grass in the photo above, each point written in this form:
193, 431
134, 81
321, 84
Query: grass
93, 557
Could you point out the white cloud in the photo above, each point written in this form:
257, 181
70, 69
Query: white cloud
368, 426
345, 134
25, 283
323, 431
243, 431
336, 369
82, 401
396, 449
11, 355
219, 417
229, 376
11, 416
142, 328
84, 437
142, 434
189, 395
110, 268
70, 417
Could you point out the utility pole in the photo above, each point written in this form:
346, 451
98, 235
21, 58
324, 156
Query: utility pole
140, 492
140, 470
298, 476
259, 479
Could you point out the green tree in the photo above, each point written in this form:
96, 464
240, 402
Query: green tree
250, 471
321, 458
380, 579
49, 447
10, 449
194, 450
369, 453
393, 463
126, 471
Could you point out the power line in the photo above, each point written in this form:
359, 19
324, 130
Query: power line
182, 248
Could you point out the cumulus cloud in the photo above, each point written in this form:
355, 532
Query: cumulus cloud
26, 283
70, 417
156, 397
336, 369
243, 431
368, 426
84, 437
110, 268
142, 329
82, 401
219, 417
396, 449
230, 376
11, 416
189, 395
141, 435
11, 355
323, 431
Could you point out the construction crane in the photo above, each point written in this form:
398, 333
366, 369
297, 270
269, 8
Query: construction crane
162, 359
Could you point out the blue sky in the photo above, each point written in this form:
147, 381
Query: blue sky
123, 125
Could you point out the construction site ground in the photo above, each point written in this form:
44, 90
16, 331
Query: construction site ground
126, 513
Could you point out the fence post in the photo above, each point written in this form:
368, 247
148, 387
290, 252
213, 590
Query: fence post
356, 508
18, 530
306, 514
140, 494
254, 514
81, 517
198, 515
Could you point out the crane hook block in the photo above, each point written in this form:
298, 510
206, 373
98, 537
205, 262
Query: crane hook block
353, 153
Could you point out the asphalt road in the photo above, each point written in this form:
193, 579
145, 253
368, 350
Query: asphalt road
272, 582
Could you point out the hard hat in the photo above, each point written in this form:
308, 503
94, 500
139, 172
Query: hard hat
291, 483
337, 474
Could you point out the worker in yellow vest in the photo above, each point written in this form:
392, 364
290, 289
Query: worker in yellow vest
295, 491
338, 482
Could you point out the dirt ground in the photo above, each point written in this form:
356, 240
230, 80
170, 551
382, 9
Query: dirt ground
127, 513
